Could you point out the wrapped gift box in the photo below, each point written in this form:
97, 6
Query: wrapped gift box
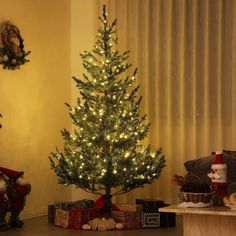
78, 217
130, 219
62, 218
75, 218
130, 207
51, 214
150, 205
150, 220
84, 203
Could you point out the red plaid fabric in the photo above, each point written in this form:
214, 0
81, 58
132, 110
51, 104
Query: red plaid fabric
74, 218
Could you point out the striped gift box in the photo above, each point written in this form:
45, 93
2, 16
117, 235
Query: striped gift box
150, 220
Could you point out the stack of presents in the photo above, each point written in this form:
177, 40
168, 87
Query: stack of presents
144, 214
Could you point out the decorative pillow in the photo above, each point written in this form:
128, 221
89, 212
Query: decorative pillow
202, 166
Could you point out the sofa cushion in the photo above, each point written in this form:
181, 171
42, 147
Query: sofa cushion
202, 166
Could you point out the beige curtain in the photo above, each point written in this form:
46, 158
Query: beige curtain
185, 51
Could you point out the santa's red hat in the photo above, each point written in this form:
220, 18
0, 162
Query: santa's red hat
219, 157
11, 173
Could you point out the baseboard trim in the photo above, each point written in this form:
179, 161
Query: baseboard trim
32, 213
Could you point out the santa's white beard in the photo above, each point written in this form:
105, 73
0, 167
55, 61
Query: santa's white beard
3, 185
214, 176
21, 181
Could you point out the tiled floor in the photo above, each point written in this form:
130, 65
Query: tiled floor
40, 227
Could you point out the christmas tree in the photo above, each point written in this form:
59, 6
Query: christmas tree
105, 154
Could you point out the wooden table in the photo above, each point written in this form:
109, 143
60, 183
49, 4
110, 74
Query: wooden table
209, 221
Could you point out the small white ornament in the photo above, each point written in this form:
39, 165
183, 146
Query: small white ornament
119, 226
86, 227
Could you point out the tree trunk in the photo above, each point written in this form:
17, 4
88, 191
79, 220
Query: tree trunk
108, 205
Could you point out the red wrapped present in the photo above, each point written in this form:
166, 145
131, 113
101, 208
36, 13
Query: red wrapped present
74, 218
130, 219
78, 217
94, 213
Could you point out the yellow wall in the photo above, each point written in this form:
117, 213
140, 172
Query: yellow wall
32, 98
83, 30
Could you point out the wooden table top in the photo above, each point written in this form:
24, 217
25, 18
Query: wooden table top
212, 210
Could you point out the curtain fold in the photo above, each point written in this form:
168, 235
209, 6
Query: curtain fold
185, 51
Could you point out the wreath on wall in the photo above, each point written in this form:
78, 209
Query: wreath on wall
12, 53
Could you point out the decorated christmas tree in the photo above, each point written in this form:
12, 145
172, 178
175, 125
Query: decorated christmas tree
105, 154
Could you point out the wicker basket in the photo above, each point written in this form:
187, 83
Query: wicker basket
197, 197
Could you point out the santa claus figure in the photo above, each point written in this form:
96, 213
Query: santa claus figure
218, 177
3, 201
13, 191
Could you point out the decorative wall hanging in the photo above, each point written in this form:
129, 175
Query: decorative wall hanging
12, 53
